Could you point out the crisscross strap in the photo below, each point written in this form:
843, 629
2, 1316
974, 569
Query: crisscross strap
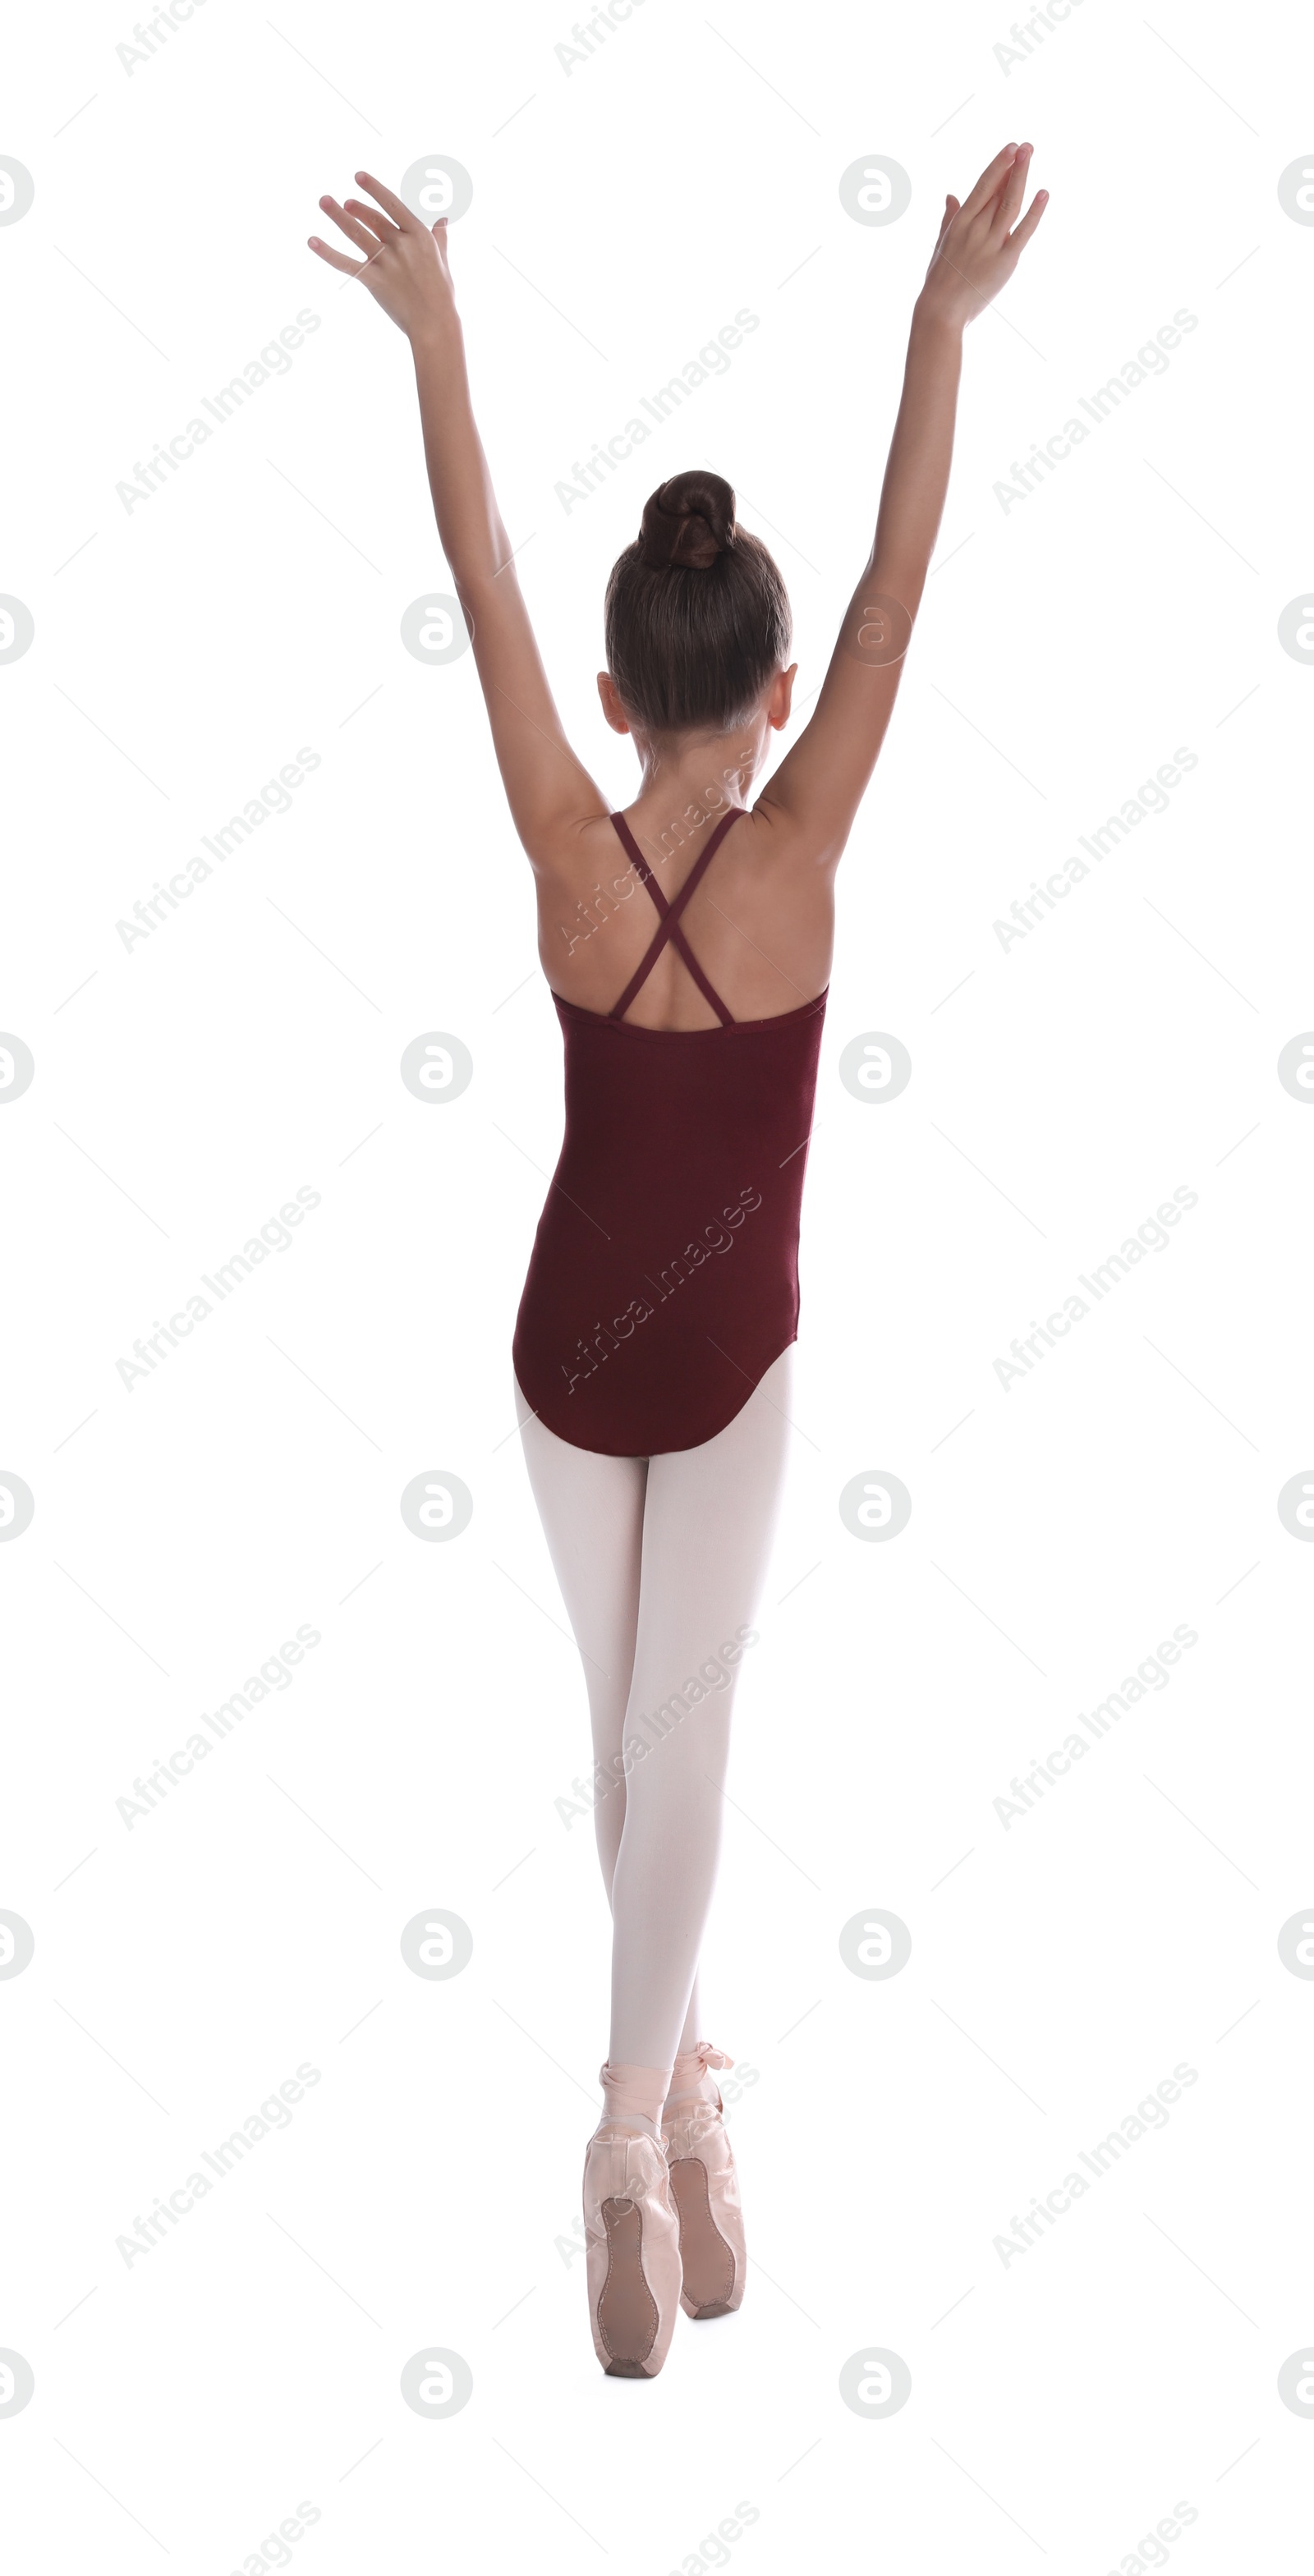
668, 926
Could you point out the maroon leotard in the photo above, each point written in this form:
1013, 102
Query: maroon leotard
664, 1275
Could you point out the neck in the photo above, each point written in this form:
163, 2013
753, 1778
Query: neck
705, 772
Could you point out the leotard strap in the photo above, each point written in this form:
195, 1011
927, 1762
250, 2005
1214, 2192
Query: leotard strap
668, 926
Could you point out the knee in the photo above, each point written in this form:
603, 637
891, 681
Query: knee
684, 1764
696, 1715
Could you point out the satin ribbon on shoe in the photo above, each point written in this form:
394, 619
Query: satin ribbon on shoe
634, 2092
706, 2055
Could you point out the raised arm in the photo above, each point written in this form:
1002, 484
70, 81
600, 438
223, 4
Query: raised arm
405, 267
819, 785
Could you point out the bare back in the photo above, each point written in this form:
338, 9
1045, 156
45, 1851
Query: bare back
761, 922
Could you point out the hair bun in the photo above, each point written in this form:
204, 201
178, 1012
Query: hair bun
687, 523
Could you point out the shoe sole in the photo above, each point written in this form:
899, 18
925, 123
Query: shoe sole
627, 2310
707, 2261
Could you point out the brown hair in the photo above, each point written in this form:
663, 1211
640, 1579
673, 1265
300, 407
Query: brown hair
696, 617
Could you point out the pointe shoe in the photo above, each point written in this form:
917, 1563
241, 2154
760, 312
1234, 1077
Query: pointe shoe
706, 2189
632, 2237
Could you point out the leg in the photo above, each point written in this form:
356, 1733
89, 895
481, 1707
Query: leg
591, 1509
659, 1563
707, 1524
693, 2018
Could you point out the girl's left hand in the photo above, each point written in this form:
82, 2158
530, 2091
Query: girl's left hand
405, 265
977, 253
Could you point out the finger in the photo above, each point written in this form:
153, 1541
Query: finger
951, 208
392, 205
989, 180
374, 222
347, 224
1018, 239
1004, 211
335, 258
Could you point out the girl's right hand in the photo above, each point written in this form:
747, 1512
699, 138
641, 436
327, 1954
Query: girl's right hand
405, 264
981, 242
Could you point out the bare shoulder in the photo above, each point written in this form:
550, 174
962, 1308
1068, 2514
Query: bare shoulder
576, 851
564, 851
784, 844
595, 852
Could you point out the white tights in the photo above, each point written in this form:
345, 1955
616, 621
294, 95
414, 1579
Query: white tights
660, 1561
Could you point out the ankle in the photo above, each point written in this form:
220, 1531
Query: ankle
692, 2079
633, 2096
696, 2087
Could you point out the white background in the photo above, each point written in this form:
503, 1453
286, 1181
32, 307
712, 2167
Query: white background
1061, 1965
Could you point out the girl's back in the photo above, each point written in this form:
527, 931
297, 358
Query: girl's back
760, 922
